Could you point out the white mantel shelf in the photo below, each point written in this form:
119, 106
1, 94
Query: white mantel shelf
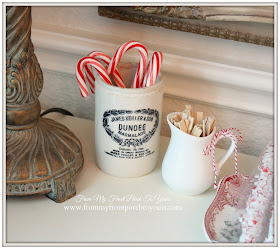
224, 73
37, 219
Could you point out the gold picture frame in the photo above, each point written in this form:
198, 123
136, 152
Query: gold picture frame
245, 24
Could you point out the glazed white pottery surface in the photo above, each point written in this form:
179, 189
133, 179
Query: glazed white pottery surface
185, 169
127, 128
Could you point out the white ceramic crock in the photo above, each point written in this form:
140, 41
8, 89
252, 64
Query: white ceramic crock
127, 127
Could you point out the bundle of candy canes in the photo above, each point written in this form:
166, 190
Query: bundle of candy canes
145, 75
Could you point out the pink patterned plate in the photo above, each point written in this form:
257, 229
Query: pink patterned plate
221, 221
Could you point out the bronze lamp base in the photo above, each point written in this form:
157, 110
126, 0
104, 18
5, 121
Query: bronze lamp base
42, 156
43, 160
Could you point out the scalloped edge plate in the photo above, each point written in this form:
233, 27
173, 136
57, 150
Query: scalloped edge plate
221, 220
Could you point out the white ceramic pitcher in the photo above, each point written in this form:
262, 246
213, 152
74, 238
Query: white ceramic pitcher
185, 169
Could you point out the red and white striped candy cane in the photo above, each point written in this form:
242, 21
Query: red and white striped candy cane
103, 57
212, 146
81, 78
152, 69
138, 79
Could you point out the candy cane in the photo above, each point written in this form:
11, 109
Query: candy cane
152, 69
103, 57
138, 79
212, 146
81, 78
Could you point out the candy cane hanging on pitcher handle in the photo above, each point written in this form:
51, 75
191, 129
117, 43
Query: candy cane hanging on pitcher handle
212, 147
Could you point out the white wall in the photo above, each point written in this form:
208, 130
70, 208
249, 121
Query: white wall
230, 80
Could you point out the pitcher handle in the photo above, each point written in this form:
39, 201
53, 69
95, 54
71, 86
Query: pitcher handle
226, 155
